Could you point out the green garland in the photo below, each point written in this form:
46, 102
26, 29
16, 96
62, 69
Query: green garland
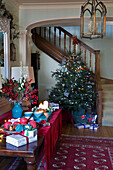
5, 13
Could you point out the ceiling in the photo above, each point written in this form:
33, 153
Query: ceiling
23, 2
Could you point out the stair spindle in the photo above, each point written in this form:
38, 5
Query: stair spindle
49, 34
85, 56
90, 60
80, 49
40, 31
64, 42
55, 36
74, 50
70, 45
45, 32
59, 38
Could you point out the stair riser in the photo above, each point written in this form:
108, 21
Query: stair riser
107, 104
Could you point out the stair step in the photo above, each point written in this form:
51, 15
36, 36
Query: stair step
106, 81
106, 122
105, 93
108, 103
110, 97
108, 114
107, 85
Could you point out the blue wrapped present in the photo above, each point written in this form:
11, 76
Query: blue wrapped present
93, 126
82, 125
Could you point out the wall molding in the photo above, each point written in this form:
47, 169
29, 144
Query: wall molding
46, 6
57, 5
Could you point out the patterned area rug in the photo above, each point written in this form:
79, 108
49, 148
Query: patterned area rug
84, 153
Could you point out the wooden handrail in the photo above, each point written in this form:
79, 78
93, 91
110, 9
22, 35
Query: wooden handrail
57, 41
79, 41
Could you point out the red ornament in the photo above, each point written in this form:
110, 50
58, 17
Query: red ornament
83, 117
6, 125
33, 123
23, 121
42, 122
16, 123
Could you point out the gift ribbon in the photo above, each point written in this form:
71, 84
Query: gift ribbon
90, 118
80, 124
27, 134
94, 126
17, 133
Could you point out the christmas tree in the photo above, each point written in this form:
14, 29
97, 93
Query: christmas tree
75, 85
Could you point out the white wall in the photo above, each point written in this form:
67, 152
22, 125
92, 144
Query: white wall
45, 80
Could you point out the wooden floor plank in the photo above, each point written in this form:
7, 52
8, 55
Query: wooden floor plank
103, 131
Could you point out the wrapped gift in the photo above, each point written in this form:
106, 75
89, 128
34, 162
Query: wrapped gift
30, 133
19, 140
91, 117
54, 105
93, 126
82, 125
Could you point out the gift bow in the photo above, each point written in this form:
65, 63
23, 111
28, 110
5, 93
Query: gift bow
90, 118
94, 126
42, 122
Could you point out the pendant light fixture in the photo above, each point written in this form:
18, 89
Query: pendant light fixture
93, 19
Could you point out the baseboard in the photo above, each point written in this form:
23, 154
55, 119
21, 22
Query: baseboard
106, 81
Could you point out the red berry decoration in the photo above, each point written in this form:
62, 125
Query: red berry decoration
33, 123
16, 123
23, 121
6, 125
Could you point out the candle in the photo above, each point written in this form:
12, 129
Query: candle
1, 137
41, 106
45, 104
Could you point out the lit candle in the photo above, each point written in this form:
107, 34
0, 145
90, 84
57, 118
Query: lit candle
41, 106
45, 104
1, 137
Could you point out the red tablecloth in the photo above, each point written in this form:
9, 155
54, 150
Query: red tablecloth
51, 134
5, 116
67, 117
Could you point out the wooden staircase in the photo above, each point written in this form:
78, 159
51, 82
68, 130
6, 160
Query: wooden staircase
107, 103
57, 42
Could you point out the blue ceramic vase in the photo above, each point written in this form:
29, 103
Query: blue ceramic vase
17, 111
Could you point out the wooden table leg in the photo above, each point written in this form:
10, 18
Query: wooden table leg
31, 163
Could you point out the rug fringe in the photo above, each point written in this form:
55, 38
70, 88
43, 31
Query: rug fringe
86, 136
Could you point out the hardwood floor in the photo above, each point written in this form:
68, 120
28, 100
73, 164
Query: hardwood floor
103, 131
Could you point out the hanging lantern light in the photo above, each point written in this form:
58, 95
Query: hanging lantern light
93, 19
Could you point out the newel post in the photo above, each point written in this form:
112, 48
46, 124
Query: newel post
99, 87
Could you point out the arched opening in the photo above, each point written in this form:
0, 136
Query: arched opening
45, 84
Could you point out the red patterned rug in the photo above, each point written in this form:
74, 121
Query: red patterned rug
84, 153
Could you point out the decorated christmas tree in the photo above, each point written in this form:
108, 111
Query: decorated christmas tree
75, 85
